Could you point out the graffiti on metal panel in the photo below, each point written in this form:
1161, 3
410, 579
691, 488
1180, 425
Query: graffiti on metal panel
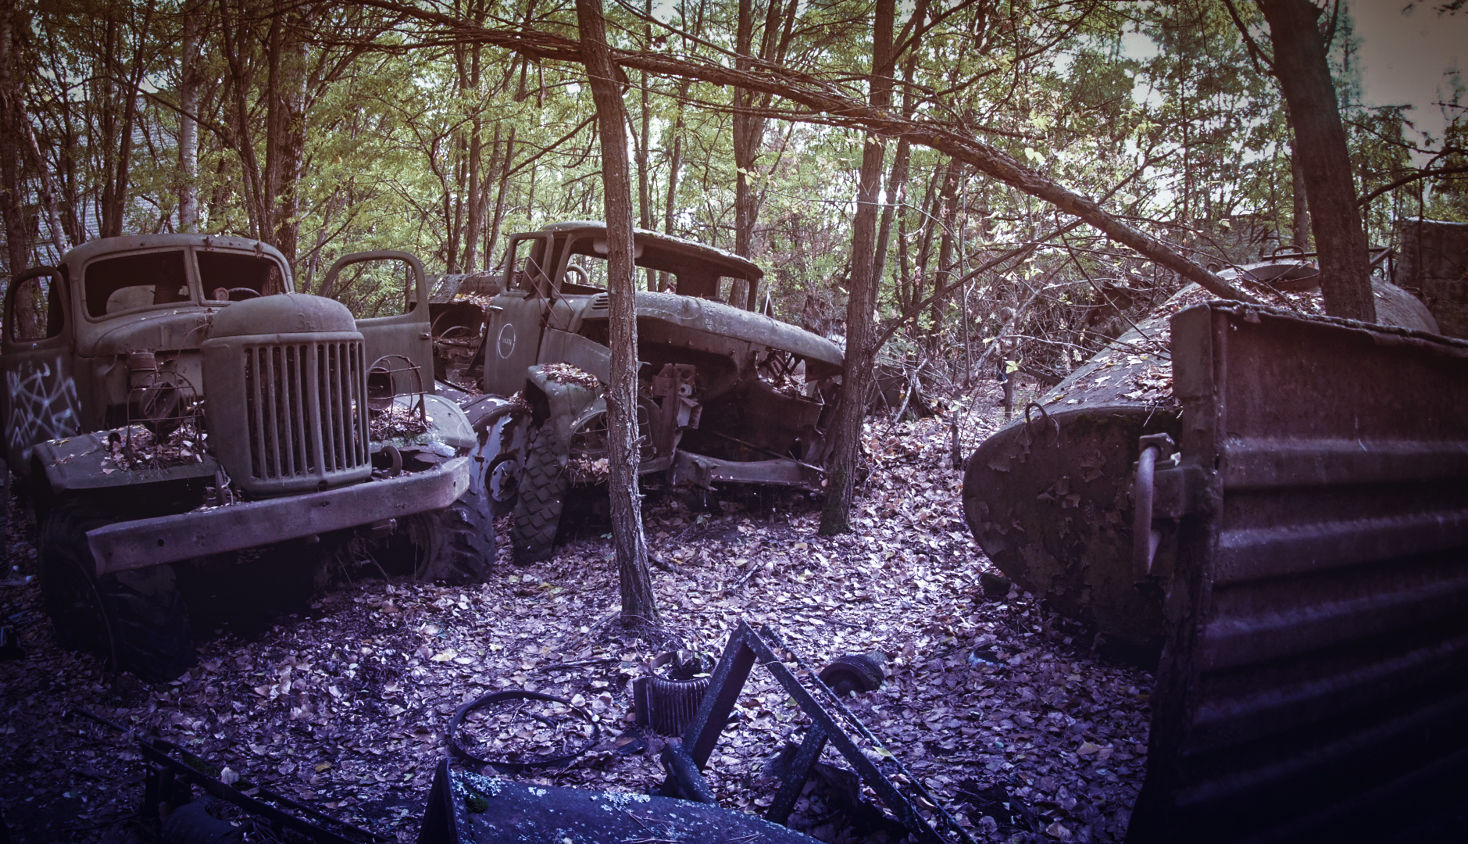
43, 405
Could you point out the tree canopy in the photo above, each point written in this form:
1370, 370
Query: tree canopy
1050, 169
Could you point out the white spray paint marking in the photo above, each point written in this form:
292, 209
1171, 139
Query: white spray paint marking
42, 406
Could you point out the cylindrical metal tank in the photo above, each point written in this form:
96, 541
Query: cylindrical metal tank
1049, 497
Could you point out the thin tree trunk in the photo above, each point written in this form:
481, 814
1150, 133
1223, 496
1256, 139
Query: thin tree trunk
1340, 238
856, 373
1300, 219
188, 122
285, 141
944, 270
12, 204
638, 607
506, 166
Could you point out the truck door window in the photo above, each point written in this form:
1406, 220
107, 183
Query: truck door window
35, 311
527, 259
113, 285
375, 288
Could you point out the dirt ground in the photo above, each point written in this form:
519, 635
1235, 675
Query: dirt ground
998, 707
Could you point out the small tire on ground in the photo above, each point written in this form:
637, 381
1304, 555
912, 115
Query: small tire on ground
540, 495
456, 544
855, 673
135, 619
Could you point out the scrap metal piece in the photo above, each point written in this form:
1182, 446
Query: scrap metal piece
832, 723
1314, 684
667, 699
465, 808
170, 768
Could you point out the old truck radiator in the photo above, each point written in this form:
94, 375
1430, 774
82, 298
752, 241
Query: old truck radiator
287, 410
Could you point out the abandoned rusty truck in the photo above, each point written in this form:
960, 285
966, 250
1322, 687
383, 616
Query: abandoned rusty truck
179, 418
726, 394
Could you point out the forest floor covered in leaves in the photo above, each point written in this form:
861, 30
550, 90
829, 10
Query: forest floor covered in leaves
998, 706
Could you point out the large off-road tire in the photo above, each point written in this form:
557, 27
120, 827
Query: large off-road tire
541, 495
135, 619
455, 544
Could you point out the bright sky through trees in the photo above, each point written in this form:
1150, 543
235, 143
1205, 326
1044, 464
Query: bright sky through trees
1406, 48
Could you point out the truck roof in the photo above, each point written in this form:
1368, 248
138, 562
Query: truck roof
660, 251
128, 243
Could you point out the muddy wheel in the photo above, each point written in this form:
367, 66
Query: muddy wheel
135, 619
541, 495
455, 544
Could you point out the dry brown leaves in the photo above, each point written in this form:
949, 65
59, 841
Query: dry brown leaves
997, 706
396, 421
565, 373
136, 447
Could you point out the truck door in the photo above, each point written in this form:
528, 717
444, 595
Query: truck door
40, 400
517, 316
387, 292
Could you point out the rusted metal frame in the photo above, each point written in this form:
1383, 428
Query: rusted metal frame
165, 539
830, 722
169, 760
805, 759
770, 451
836, 726
712, 715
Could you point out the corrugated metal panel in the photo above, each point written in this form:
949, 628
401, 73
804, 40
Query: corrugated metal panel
1314, 684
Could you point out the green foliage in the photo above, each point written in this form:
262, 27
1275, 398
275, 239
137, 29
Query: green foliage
1156, 109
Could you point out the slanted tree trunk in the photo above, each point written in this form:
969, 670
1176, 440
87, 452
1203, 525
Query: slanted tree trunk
1304, 76
120, 94
856, 372
638, 607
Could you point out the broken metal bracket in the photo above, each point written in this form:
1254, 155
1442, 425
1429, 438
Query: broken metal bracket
1165, 489
831, 723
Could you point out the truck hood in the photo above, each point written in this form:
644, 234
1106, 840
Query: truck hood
174, 329
723, 320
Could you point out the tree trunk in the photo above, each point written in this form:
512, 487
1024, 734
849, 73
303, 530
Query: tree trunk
188, 122
856, 373
1300, 218
507, 162
285, 139
1304, 76
638, 607
12, 202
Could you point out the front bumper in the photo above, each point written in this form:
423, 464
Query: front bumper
165, 539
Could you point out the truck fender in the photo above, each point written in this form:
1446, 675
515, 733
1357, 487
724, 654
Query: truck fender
84, 463
559, 401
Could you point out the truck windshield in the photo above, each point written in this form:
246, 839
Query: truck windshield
126, 282
230, 276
